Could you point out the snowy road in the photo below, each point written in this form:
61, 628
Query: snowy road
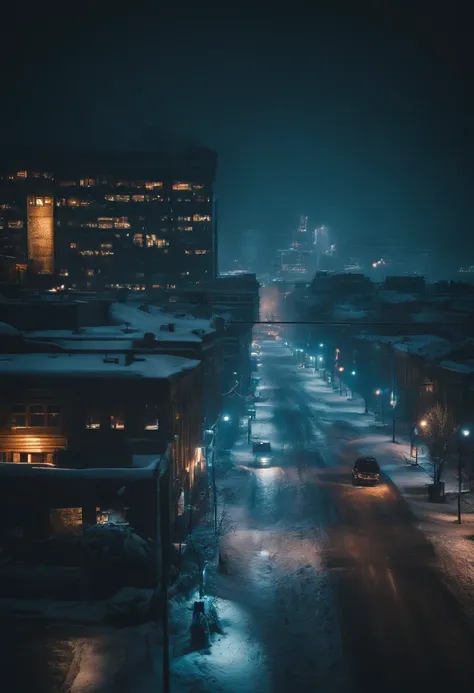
344, 590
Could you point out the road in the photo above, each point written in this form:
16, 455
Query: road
345, 591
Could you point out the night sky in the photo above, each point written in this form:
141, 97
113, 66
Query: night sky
358, 117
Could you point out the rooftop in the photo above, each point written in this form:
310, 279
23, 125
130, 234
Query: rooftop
186, 328
154, 366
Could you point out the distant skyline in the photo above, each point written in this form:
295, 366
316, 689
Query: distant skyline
359, 117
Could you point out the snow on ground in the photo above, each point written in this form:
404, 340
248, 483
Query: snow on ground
454, 543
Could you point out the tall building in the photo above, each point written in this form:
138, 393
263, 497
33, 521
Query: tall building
302, 237
104, 220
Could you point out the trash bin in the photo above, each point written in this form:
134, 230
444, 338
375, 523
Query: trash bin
436, 493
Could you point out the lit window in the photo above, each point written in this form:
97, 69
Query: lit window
188, 252
73, 246
178, 185
138, 239
184, 228
15, 224
48, 201
138, 198
106, 246
153, 241
93, 421
105, 225
122, 198
122, 225
198, 186
201, 217
184, 218
22, 174
67, 183
151, 185
90, 272
88, 225
117, 422
73, 202
87, 182
201, 251
110, 198
64, 273
39, 202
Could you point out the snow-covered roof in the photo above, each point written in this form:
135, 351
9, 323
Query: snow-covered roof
458, 366
397, 297
347, 312
426, 344
111, 473
158, 366
187, 328
382, 338
7, 330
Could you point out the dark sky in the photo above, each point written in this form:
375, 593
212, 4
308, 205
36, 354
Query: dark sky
357, 114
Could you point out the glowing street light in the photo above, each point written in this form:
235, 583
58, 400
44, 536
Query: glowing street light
465, 432
423, 423
226, 417
340, 369
320, 358
321, 345
353, 372
378, 392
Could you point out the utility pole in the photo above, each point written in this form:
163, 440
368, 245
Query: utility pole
459, 485
163, 518
214, 489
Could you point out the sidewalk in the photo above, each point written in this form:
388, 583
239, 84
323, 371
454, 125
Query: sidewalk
454, 543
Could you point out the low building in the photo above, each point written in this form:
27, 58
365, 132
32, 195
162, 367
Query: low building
94, 411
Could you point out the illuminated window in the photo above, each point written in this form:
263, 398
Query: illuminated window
73, 246
93, 421
22, 174
188, 252
39, 202
64, 273
117, 422
15, 224
184, 228
138, 198
151, 185
87, 182
110, 198
183, 218
198, 186
48, 201
106, 246
122, 198
201, 217
4, 206
67, 183
138, 239
88, 225
201, 251
90, 272
105, 225
201, 198
178, 185
73, 202
153, 241
122, 225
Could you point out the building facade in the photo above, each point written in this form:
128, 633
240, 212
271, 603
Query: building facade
107, 221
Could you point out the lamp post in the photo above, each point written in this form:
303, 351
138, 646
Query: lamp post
341, 371
465, 433
393, 404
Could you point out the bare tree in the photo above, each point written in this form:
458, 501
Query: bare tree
440, 438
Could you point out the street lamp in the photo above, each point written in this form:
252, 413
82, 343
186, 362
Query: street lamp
465, 433
321, 346
226, 418
423, 423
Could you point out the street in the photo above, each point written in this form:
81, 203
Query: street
344, 589
329, 587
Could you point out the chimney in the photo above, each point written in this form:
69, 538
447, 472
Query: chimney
129, 358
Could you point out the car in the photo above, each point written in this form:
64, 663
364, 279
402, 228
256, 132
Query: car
366, 470
262, 453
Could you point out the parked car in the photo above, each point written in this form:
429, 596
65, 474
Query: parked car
262, 453
366, 470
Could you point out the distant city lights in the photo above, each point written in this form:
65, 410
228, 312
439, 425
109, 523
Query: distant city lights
379, 263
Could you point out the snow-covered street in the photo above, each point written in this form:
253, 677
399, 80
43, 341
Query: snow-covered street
330, 587
341, 588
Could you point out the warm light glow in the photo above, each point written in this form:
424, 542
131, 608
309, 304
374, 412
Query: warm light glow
423, 423
40, 233
377, 392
